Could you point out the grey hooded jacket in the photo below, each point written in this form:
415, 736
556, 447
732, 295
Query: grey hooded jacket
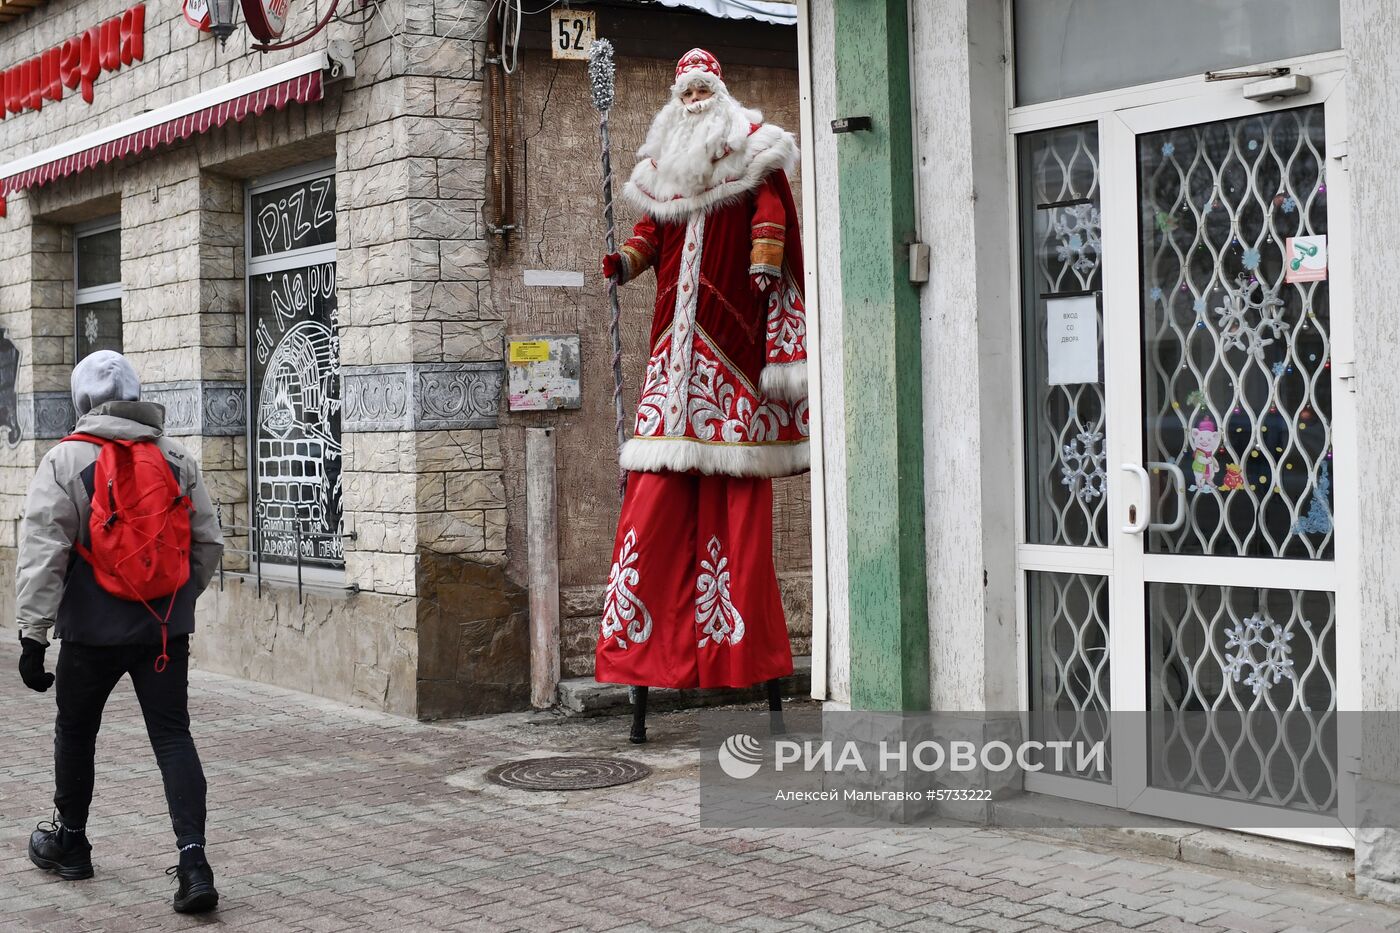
55, 586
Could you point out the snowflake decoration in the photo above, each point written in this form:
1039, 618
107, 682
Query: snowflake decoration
1077, 226
1082, 469
1261, 653
1156, 293
90, 328
1278, 369
1199, 305
1251, 298
1318, 521
1289, 205
1250, 258
1168, 149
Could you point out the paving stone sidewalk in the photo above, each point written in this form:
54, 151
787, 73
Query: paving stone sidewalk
324, 817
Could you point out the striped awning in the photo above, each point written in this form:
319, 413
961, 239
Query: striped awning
234, 102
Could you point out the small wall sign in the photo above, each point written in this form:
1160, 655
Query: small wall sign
571, 33
1072, 340
197, 14
543, 372
1305, 258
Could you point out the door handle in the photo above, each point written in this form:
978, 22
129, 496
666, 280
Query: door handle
1179, 483
1137, 523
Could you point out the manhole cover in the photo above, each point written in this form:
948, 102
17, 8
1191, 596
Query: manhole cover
567, 773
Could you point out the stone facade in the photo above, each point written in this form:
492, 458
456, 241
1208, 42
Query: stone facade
429, 616
419, 489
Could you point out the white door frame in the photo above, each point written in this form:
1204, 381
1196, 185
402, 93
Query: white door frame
1120, 116
819, 688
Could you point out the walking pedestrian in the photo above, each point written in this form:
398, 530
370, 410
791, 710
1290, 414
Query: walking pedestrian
119, 538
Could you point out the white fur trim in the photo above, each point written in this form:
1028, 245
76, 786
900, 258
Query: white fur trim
786, 381
768, 149
679, 455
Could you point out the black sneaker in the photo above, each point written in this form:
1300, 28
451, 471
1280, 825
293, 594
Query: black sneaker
196, 894
55, 848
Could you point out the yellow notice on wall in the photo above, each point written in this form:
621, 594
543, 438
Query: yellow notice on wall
529, 351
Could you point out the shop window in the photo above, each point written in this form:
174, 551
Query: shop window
97, 269
1065, 48
294, 369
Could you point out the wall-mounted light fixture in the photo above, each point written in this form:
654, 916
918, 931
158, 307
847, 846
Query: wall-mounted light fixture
851, 125
222, 17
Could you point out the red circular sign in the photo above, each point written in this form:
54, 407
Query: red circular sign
266, 18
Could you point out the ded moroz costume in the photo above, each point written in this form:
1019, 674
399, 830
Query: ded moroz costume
692, 597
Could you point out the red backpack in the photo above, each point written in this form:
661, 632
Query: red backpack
139, 530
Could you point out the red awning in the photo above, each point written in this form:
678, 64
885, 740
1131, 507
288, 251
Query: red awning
299, 90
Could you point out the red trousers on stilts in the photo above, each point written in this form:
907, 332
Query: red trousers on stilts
692, 598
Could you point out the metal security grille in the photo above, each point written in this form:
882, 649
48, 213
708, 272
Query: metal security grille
1065, 475
1243, 686
1069, 657
1236, 360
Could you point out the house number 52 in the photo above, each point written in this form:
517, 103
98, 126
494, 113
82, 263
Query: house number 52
573, 32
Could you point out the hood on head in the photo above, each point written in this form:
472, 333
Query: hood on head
101, 377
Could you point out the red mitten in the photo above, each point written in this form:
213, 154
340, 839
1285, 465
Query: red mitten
612, 265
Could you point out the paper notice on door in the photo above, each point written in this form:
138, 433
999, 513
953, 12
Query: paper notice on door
1072, 339
1306, 258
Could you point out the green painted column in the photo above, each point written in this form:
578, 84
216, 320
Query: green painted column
884, 411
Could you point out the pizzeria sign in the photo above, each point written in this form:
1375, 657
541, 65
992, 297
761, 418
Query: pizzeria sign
75, 63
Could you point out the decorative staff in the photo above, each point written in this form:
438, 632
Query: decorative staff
601, 76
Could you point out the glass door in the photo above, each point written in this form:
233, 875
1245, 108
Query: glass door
1229, 436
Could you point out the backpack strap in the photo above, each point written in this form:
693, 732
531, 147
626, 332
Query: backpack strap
85, 438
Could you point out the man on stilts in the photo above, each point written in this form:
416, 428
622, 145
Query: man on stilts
692, 597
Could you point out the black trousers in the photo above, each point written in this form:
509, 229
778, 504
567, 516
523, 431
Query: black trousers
86, 675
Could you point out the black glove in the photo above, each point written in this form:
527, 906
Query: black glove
31, 665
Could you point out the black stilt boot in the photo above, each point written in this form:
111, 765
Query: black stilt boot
639, 716
63, 851
776, 726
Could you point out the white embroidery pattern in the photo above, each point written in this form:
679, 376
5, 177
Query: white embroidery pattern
683, 327
719, 407
654, 390
712, 400
621, 607
787, 324
715, 615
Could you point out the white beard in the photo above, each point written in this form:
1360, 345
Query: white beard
686, 142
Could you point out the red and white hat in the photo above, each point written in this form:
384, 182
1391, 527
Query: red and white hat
698, 66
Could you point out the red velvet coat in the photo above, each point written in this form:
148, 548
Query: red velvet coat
725, 386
